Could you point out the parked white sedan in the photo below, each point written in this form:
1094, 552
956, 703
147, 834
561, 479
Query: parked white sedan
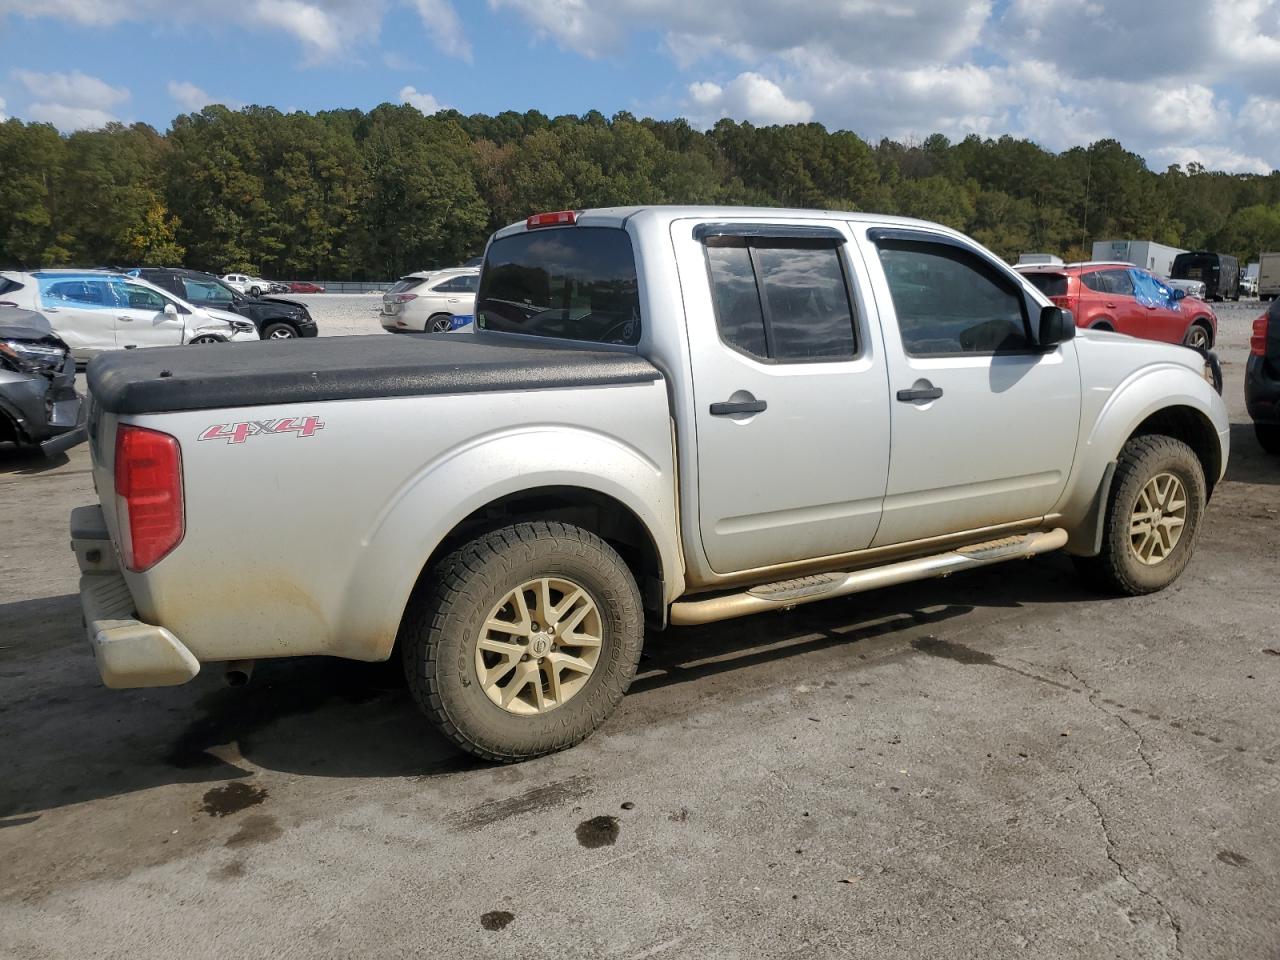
437, 301
93, 311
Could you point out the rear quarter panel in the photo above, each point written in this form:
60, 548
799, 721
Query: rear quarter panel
312, 544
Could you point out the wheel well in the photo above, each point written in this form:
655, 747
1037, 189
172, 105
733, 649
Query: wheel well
1194, 429
1203, 321
607, 518
1103, 325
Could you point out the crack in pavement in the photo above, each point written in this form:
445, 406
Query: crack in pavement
1123, 873
1093, 702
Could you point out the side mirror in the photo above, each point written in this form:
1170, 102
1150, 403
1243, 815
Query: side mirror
170, 310
1179, 294
1056, 326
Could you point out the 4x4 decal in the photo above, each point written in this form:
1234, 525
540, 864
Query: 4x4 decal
240, 432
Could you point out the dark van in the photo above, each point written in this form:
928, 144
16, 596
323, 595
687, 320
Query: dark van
1219, 273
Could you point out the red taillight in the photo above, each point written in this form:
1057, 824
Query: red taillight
1258, 342
149, 510
405, 297
561, 218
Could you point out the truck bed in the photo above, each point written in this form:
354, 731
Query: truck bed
165, 379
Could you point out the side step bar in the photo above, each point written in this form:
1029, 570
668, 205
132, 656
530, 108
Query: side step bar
791, 593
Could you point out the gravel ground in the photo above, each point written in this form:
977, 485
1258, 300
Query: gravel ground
994, 765
343, 314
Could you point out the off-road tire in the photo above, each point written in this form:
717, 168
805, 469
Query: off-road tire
1117, 568
443, 623
1268, 435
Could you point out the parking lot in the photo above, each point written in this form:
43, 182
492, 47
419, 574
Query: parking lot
995, 765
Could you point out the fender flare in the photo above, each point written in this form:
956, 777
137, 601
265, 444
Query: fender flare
431, 504
1147, 392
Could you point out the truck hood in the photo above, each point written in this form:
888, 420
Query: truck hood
1124, 354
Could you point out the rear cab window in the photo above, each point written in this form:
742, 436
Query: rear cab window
571, 283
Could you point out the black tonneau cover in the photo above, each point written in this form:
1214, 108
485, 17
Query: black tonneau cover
163, 379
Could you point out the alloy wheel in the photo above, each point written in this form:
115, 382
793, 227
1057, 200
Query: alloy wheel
1158, 519
539, 646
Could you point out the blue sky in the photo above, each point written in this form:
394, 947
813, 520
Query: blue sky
1198, 81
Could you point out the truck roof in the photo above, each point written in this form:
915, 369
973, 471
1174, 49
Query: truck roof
665, 214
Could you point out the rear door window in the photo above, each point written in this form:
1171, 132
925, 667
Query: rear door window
1118, 283
781, 299
575, 283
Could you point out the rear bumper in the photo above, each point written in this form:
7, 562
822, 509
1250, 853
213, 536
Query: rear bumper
129, 652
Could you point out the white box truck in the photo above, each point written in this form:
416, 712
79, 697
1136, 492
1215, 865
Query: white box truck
1269, 276
1156, 257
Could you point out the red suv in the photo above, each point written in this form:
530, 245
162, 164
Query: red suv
1127, 299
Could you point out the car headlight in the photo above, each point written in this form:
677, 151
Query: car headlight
242, 326
30, 357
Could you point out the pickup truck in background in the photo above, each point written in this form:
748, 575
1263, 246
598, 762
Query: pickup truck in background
666, 416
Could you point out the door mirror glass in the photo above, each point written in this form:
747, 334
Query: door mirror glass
1056, 326
170, 310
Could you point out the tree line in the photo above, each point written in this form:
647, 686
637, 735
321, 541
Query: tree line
349, 194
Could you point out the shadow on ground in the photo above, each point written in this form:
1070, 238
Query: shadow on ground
1248, 462
69, 740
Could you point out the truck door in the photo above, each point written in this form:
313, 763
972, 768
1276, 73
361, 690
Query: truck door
984, 424
789, 386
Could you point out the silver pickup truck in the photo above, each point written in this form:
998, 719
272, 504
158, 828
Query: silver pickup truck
666, 416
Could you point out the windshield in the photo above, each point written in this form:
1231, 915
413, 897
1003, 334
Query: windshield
212, 292
577, 283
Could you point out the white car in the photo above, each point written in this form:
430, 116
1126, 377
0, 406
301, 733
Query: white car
249, 286
437, 301
94, 311
1192, 288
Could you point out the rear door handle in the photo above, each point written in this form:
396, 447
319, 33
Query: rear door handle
728, 408
124, 318
919, 393
1109, 306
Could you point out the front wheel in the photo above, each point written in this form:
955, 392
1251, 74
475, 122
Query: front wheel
1153, 517
521, 642
206, 338
279, 331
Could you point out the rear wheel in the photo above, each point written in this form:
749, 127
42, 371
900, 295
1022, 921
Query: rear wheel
1198, 337
522, 642
1153, 516
279, 331
1268, 435
440, 323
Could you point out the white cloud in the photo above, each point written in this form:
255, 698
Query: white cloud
748, 96
3, 115
188, 96
423, 101
444, 28
68, 118
74, 88
70, 101
319, 29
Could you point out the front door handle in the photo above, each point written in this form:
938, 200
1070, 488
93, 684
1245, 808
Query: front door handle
728, 408
919, 393
124, 318
1109, 306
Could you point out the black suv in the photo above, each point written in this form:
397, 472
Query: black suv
276, 319
1262, 378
